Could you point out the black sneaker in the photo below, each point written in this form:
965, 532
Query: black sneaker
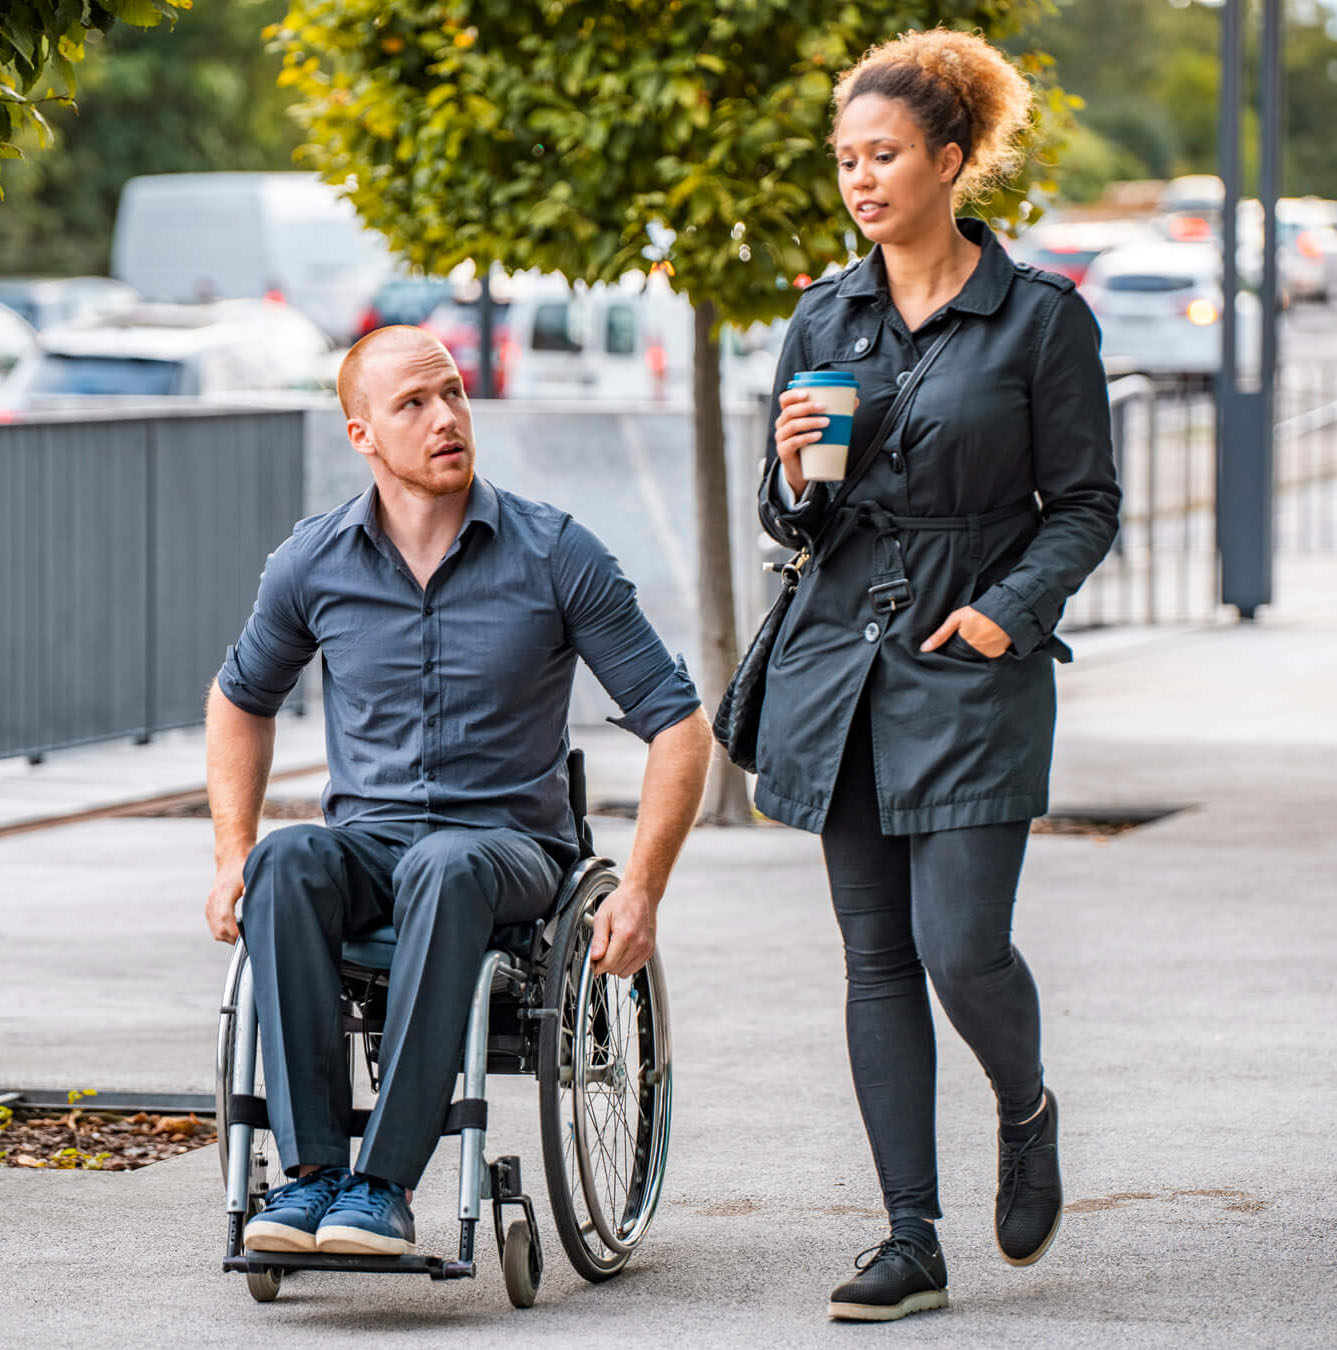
1029, 1207
895, 1278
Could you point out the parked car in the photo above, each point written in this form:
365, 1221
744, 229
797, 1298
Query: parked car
17, 338
1069, 247
186, 237
458, 323
46, 302
1159, 308
168, 351
403, 300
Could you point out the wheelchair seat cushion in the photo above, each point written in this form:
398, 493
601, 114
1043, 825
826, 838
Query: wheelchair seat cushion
374, 948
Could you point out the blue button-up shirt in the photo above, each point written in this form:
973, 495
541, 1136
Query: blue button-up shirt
449, 705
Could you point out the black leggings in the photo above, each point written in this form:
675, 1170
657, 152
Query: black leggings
906, 903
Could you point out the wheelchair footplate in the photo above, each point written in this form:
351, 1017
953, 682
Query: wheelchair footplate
257, 1263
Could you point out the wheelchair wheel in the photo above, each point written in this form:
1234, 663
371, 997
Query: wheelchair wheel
265, 1171
605, 1092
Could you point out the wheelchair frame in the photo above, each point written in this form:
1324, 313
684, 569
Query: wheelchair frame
562, 1029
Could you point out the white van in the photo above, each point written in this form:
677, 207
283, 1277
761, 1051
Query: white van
220, 236
624, 343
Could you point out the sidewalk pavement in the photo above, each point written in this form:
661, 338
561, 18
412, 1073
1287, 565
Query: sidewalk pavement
1187, 973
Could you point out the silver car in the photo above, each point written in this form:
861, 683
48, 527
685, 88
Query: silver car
1159, 308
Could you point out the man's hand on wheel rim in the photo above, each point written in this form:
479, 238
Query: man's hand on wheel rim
220, 909
624, 932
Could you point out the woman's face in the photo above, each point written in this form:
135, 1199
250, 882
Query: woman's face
892, 186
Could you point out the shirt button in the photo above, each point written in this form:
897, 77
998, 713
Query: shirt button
872, 633
427, 666
431, 721
862, 345
430, 775
428, 611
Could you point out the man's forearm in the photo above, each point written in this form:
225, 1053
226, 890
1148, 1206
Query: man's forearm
675, 778
239, 749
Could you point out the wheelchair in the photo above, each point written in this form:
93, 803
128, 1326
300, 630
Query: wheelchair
598, 1045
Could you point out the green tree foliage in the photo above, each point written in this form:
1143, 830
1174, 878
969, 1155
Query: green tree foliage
550, 133
42, 42
567, 134
197, 98
1149, 74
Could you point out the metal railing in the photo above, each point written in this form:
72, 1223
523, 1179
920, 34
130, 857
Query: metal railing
130, 546
1164, 565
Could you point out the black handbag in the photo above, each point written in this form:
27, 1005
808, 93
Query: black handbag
738, 717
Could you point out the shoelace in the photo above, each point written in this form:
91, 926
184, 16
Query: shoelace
898, 1247
321, 1187
365, 1195
1017, 1159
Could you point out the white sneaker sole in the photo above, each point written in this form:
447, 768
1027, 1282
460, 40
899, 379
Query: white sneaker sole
264, 1236
892, 1312
359, 1242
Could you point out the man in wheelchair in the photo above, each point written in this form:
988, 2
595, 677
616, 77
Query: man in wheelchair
449, 615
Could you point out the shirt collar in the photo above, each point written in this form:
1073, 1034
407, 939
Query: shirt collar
985, 288
484, 508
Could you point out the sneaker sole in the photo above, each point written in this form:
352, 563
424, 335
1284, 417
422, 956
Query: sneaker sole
265, 1236
892, 1312
359, 1242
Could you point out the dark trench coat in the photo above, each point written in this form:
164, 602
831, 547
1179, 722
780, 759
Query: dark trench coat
1006, 446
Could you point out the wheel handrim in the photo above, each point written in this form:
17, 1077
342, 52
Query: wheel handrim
621, 1088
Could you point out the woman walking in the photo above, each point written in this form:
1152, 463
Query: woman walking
909, 706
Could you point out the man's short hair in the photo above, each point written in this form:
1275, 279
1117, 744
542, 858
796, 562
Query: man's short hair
351, 395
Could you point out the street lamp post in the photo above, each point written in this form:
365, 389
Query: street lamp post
1245, 417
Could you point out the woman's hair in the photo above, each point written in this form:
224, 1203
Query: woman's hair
958, 87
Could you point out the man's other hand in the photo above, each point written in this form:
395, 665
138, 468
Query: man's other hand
624, 932
220, 909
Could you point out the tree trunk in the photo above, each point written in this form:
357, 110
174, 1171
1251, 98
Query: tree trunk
726, 800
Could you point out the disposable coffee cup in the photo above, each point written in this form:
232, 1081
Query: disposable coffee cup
824, 461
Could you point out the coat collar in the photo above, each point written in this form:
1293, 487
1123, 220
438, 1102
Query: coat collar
483, 508
985, 288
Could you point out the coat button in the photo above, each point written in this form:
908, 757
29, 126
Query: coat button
872, 633
897, 463
861, 346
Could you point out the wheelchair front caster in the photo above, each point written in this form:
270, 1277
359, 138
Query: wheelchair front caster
263, 1285
521, 1265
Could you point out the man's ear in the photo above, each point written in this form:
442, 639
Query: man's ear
359, 435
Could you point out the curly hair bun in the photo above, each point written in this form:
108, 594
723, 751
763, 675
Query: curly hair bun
958, 87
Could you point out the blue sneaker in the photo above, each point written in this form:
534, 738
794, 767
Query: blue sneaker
369, 1217
293, 1212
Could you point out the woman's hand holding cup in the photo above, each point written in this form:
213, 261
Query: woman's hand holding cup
801, 422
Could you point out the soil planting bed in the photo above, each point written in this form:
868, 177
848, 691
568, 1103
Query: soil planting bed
98, 1141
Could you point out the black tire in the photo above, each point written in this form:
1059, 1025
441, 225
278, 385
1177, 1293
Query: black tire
520, 1265
604, 1097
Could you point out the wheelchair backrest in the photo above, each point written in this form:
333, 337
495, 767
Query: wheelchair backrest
575, 785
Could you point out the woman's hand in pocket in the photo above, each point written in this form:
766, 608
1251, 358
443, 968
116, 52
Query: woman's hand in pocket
982, 633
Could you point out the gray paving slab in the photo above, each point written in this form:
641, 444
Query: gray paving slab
1187, 976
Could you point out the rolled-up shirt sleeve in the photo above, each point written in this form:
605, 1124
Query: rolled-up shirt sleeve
1074, 476
609, 630
264, 665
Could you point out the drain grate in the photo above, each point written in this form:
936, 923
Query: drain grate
1101, 822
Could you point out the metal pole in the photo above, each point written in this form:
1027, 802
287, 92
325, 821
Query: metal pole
1228, 156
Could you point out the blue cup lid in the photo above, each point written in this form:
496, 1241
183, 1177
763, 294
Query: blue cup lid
823, 377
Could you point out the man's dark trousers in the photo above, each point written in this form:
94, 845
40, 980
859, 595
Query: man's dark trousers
444, 889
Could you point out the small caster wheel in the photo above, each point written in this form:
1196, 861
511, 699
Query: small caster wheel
521, 1265
263, 1285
